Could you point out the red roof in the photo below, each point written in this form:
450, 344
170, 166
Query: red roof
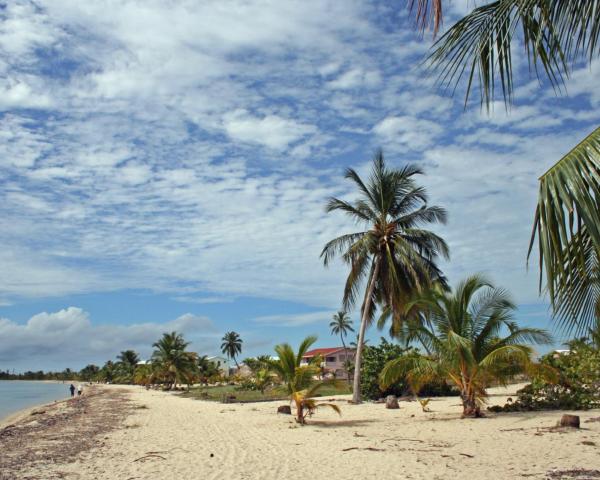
323, 351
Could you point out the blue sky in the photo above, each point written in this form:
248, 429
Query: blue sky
164, 165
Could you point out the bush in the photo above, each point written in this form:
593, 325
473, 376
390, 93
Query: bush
375, 358
577, 386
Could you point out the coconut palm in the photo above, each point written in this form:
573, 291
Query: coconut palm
128, 360
341, 325
232, 346
171, 360
394, 256
557, 34
299, 380
472, 339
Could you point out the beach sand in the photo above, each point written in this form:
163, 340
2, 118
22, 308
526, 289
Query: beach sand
163, 436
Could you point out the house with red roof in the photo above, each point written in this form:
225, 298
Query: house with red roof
333, 359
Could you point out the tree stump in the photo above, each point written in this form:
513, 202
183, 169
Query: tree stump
391, 402
570, 421
285, 409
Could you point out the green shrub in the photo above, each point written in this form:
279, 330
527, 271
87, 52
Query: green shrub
375, 358
577, 386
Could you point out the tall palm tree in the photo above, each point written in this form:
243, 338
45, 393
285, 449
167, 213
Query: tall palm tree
341, 325
472, 339
298, 379
557, 34
128, 360
232, 346
173, 362
395, 255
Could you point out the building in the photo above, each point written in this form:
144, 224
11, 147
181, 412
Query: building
333, 359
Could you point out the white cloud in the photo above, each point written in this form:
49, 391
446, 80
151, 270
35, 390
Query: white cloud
68, 338
407, 132
271, 131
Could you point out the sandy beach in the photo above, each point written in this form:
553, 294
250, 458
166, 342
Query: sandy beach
131, 433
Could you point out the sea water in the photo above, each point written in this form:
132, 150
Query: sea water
16, 395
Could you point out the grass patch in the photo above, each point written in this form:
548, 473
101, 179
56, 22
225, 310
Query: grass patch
221, 393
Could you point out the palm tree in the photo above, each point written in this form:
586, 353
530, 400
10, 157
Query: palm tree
128, 360
341, 325
232, 346
173, 362
395, 256
557, 35
472, 339
298, 379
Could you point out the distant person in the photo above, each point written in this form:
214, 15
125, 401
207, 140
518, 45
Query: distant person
72, 388
79, 389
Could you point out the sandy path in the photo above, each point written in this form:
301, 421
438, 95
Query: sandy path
202, 440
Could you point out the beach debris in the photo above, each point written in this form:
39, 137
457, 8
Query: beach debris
424, 402
212, 455
151, 455
577, 473
38, 412
588, 442
570, 421
391, 401
372, 449
284, 409
594, 419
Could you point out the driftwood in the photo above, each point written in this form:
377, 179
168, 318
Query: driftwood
372, 449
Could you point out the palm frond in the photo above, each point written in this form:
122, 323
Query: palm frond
567, 228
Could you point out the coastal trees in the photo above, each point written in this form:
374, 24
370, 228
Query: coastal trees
128, 360
557, 35
298, 379
341, 325
472, 339
172, 362
232, 346
395, 256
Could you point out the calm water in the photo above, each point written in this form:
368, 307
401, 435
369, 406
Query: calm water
18, 394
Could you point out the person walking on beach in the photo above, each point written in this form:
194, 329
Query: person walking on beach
79, 389
72, 388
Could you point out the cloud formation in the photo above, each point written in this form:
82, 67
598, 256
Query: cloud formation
68, 338
189, 148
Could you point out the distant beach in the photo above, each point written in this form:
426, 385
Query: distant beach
16, 395
129, 432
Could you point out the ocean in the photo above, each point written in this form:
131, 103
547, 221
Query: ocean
16, 395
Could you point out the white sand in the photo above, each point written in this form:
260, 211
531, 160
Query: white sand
251, 441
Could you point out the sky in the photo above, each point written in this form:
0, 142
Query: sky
164, 165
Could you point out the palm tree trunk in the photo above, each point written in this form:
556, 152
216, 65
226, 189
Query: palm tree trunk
361, 332
346, 357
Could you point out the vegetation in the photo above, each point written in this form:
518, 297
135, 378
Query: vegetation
471, 341
235, 393
576, 388
375, 359
341, 325
394, 255
171, 362
299, 380
557, 35
232, 346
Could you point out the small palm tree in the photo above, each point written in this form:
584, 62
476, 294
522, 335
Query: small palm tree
232, 346
174, 364
472, 339
298, 379
395, 256
341, 325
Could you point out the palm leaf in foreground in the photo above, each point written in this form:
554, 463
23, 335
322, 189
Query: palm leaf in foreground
555, 33
567, 227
